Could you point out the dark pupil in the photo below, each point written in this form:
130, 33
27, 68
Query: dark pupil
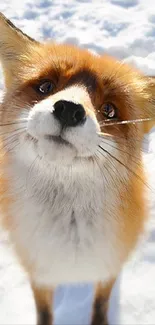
45, 87
109, 111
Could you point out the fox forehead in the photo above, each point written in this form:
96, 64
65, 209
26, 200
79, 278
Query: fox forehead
70, 60
64, 60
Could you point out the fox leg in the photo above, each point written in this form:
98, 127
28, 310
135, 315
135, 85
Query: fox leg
101, 300
43, 300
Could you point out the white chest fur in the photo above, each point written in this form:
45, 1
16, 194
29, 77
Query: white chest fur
64, 222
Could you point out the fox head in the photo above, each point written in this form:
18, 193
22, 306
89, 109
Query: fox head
67, 102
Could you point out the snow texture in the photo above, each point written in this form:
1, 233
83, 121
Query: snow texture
125, 29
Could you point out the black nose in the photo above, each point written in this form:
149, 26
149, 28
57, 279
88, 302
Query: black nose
69, 113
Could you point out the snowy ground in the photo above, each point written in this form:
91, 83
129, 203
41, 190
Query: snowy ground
126, 29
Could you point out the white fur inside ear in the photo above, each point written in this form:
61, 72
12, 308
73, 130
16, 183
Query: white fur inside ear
14, 45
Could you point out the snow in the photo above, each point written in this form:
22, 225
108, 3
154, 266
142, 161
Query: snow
126, 29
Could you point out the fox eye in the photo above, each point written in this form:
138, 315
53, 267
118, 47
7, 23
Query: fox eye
45, 87
110, 111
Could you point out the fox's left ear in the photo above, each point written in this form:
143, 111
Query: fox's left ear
15, 47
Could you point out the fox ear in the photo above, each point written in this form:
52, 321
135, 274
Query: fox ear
14, 48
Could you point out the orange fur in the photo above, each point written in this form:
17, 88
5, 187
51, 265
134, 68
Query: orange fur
43, 299
101, 300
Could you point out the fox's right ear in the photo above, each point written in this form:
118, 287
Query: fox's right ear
15, 47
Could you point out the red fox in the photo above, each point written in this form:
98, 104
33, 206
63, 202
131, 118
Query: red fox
72, 178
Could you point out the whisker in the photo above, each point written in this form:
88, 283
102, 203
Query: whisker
121, 163
30, 169
124, 151
105, 167
12, 132
110, 169
102, 173
10, 147
106, 123
10, 140
120, 139
14, 123
97, 159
